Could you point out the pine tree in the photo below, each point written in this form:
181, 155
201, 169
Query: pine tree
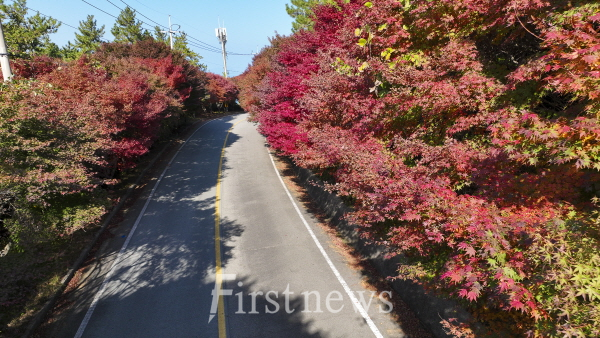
301, 11
89, 36
159, 35
27, 34
180, 44
70, 52
127, 29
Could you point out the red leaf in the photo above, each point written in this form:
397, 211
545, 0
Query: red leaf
595, 17
590, 58
515, 304
473, 294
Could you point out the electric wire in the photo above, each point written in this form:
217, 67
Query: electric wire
208, 47
142, 21
100, 9
204, 43
138, 12
193, 44
110, 2
62, 22
197, 43
152, 9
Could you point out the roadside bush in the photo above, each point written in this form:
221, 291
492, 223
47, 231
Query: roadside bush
466, 133
222, 92
68, 128
45, 153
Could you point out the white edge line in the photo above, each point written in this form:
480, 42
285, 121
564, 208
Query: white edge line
337, 274
117, 260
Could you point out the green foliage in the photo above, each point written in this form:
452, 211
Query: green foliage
43, 167
89, 37
27, 35
180, 44
569, 286
69, 52
67, 127
301, 11
128, 29
160, 35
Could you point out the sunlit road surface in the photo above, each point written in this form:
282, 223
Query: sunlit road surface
226, 255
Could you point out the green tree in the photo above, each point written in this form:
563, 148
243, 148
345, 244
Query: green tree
27, 35
50, 48
180, 44
89, 36
69, 52
301, 11
128, 29
160, 35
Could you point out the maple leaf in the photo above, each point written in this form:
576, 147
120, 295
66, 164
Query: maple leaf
467, 248
473, 294
515, 304
454, 275
590, 58
505, 285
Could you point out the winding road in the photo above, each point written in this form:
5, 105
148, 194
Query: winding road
220, 248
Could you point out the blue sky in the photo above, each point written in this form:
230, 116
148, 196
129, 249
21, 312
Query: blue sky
249, 23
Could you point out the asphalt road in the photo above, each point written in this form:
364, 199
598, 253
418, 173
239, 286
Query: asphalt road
276, 272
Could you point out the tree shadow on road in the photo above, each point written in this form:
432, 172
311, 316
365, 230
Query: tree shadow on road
342, 238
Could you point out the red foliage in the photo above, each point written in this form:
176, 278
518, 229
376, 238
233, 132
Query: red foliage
221, 90
125, 108
32, 68
460, 128
192, 87
250, 81
67, 128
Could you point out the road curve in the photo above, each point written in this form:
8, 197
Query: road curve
276, 274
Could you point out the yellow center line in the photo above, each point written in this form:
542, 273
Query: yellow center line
219, 269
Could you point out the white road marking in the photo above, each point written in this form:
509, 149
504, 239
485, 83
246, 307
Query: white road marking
98, 295
337, 274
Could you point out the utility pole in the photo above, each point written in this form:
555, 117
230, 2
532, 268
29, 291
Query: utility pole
222, 36
4, 62
171, 31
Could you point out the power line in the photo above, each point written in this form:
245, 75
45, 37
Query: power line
121, 9
203, 48
99, 9
238, 54
198, 43
142, 21
138, 12
35, 10
218, 50
208, 47
187, 24
148, 7
212, 49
